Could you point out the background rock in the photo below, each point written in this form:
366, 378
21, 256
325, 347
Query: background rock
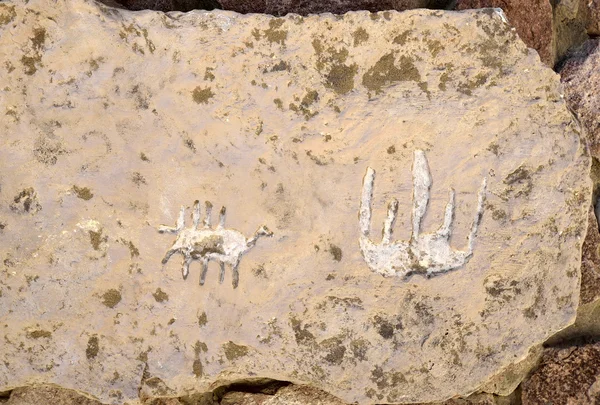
167, 5
116, 119
531, 18
305, 7
581, 81
566, 376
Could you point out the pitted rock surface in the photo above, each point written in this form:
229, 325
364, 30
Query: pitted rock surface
114, 119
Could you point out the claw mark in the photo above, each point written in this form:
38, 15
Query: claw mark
429, 254
205, 244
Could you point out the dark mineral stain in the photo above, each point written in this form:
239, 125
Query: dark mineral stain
83, 192
92, 348
391, 150
160, 295
202, 95
111, 298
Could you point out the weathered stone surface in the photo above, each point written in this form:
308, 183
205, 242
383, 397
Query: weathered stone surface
531, 18
306, 7
114, 119
565, 376
580, 76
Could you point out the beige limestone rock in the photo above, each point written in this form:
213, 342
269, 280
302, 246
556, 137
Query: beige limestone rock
112, 120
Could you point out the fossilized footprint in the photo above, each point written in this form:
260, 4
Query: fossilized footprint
205, 244
429, 254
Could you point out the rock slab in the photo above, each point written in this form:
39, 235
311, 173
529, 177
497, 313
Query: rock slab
440, 130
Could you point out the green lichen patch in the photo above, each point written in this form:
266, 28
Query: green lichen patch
83, 192
202, 95
385, 72
96, 239
274, 33
39, 39
143, 157
334, 349
38, 334
359, 348
202, 319
360, 35
200, 347
208, 74
233, 351
468, 86
111, 298
138, 179
302, 335
7, 14
435, 47
160, 296
402, 38
197, 368
29, 63
309, 98
340, 76
336, 252
133, 250
47, 150
26, 202
93, 347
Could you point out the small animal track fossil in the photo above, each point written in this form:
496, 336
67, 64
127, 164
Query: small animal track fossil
205, 243
428, 254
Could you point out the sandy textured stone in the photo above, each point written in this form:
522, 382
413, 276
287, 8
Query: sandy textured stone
566, 376
531, 18
113, 120
305, 7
